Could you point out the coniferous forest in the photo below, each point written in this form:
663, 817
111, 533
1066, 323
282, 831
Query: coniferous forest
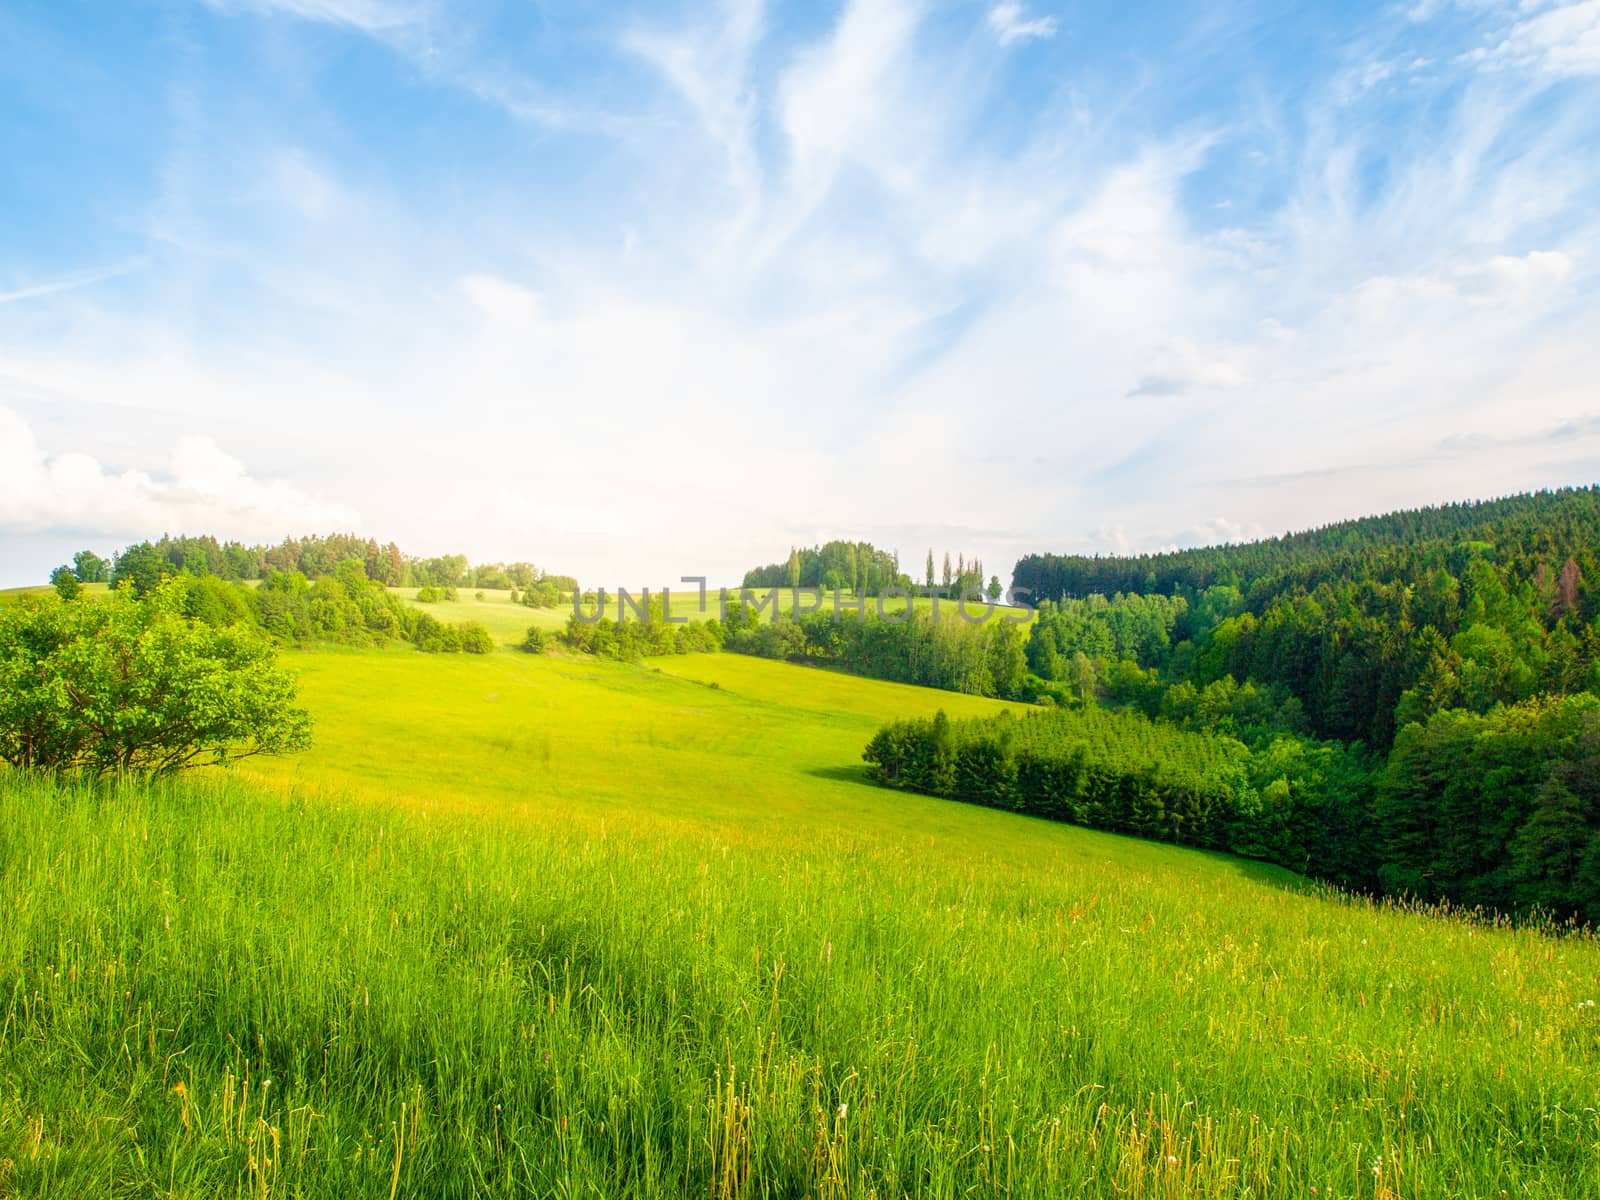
1404, 704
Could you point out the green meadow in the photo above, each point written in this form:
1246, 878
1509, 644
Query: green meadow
557, 927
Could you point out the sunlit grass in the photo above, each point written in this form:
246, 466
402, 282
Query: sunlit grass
557, 927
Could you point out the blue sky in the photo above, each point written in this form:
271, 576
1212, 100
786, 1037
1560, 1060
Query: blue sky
638, 291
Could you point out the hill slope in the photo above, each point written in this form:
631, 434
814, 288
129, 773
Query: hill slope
619, 932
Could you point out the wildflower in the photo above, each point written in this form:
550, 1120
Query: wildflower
843, 1108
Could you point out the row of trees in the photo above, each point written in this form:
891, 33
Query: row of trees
145, 563
344, 607
1288, 800
980, 660
1500, 811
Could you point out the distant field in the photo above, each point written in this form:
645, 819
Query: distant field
507, 622
89, 589
551, 926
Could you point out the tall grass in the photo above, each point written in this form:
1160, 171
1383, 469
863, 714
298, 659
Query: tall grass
207, 990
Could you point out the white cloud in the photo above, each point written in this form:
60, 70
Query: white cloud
709, 69
371, 16
1007, 23
1220, 531
68, 283
1180, 365
1561, 41
811, 286
1502, 279
835, 95
203, 489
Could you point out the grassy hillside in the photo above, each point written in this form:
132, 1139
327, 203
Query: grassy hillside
555, 927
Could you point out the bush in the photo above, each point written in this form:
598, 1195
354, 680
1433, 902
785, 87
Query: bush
475, 638
534, 642
134, 686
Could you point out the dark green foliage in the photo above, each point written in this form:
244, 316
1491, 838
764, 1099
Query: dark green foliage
533, 642
141, 568
1126, 627
135, 685
1545, 525
1372, 624
1500, 810
1296, 803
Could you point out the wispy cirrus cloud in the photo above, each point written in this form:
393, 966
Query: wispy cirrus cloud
650, 289
369, 16
69, 282
1009, 23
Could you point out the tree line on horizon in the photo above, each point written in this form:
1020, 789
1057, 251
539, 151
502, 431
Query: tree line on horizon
143, 563
865, 570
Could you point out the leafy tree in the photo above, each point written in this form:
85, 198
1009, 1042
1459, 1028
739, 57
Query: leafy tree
66, 583
995, 590
141, 567
133, 685
89, 567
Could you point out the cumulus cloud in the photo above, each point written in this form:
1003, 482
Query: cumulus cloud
1009, 24
202, 489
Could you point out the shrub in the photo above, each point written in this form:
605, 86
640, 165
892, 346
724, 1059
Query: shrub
475, 638
134, 686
